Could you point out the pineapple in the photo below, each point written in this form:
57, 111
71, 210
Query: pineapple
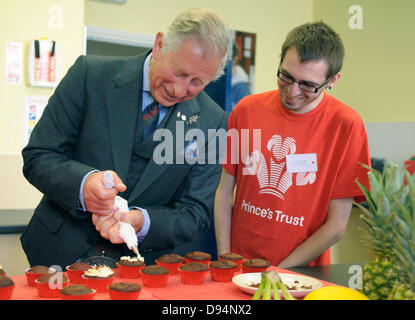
381, 274
404, 245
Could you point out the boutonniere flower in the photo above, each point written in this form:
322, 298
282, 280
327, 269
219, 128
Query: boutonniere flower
189, 121
192, 119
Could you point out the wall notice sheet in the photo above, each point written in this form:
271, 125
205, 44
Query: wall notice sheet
14, 62
34, 107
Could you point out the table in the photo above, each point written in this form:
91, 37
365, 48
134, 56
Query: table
344, 274
174, 290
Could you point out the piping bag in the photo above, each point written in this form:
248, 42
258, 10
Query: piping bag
126, 231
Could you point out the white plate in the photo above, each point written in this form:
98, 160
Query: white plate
245, 281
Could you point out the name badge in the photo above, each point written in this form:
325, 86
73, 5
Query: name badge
306, 162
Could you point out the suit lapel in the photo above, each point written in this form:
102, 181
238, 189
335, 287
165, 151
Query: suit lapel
178, 128
123, 102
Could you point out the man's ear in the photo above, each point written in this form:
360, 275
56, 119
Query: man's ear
334, 79
158, 44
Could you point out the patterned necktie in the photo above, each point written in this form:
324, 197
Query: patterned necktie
150, 118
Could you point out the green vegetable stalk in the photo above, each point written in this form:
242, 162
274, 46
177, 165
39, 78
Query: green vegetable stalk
271, 280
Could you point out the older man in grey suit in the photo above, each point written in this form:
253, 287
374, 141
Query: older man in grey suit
98, 119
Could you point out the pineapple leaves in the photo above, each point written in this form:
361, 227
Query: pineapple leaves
384, 207
369, 198
411, 182
403, 212
393, 178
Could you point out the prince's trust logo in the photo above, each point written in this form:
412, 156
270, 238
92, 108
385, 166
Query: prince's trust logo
273, 178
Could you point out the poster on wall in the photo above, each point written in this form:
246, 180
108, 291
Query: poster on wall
14, 62
243, 65
42, 64
34, 106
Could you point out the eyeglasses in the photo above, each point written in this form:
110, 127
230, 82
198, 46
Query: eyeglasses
302, 85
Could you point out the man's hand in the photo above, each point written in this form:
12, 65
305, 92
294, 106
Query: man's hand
108, 226
97, 199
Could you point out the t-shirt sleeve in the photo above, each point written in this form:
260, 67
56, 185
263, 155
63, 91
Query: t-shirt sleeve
351, 169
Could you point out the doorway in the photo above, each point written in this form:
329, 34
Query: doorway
110, 42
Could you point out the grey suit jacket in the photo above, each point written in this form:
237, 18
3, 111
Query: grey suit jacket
89, 123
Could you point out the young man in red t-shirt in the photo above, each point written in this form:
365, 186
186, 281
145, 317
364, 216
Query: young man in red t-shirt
293, 155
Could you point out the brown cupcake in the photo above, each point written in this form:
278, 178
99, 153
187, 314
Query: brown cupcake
76, 270
99, 278
256, 263
5, 281
35, 272
155, 270
130, 262
222, 270
124, 291
230, 256
223, 264
198, 256
76, 290
171, 261
193, 273
38, 269
155, 276
79, 266
44, 278
45, 289
125, 286
6, 287
170, 258
194, 266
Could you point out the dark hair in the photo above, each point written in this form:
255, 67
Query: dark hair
316, 41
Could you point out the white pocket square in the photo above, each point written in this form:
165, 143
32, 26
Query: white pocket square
191, 150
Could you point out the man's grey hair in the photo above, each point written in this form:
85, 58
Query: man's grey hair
204, 27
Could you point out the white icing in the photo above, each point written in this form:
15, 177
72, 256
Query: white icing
99, 272
129, 259
127, 233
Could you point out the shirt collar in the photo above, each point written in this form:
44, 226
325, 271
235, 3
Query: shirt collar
146, 73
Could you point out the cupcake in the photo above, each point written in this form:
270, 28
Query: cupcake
76, 291
99, 278
76, 270
222, 270
235, 257
155, 276
193, 272
255, 265
49, 284
197, 256
171, 261
129, 267
6, 287
124, 291
35, 272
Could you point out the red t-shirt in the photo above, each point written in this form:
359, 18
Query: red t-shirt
276, 210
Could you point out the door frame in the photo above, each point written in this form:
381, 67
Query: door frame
117, 36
